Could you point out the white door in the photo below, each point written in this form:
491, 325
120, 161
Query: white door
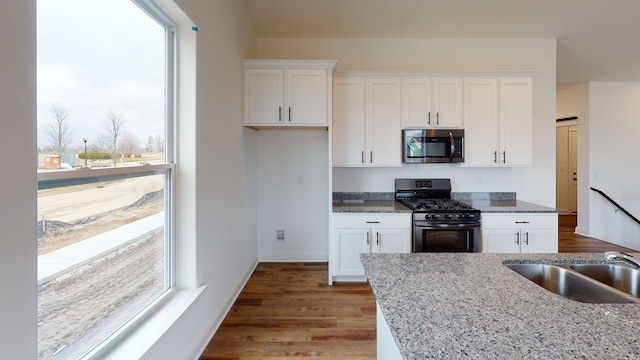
516, 121
537, 241
501, 241
481, 128
391, 240
349, 244
573, 169
416, 103
383, 125
348, 122
306, 96
447, 103
263, 96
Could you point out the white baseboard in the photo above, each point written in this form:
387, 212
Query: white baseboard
203, 340
274, 256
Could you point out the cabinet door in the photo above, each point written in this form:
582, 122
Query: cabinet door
501, 241
263, 96
391, 240
481, 122
539, 240
349, 244
447, 103
416, 103
306, 96
348, 122
516, 121
383, 122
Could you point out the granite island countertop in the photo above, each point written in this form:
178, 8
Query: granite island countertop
471, 306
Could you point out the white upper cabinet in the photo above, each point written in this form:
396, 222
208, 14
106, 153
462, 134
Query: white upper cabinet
287, 93
498, 117
383, 125
432, 102
348, 129
367, 122
516, 121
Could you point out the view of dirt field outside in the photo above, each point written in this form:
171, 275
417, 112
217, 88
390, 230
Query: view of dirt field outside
81, 303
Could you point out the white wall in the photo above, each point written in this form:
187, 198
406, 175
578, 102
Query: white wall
292, 195
535, 184
18, 190
614, 126
222, 177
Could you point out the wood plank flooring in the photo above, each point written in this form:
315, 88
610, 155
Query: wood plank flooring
288, 310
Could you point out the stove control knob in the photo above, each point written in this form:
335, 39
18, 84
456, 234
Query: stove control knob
427, 217
435, 216
448, 216
461, 216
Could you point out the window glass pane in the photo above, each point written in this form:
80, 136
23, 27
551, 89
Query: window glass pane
100, 260
101, 77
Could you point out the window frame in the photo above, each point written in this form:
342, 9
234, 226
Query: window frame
86, 175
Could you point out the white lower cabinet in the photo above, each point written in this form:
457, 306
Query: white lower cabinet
356, 233
520, 232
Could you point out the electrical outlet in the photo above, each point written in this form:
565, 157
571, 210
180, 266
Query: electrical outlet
279, 235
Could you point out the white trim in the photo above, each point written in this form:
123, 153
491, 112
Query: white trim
293, 256
198, 347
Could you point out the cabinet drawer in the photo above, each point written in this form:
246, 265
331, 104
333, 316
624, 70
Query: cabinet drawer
372, 220
520, 220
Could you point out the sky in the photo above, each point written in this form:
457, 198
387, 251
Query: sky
96, 56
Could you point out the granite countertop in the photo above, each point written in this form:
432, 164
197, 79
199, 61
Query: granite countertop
369, 206
385, 203
469, 305
515, 206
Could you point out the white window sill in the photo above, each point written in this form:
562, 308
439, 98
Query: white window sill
134, 344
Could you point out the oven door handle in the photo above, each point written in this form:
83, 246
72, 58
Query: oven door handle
464, 226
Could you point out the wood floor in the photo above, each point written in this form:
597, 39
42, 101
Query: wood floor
288, 310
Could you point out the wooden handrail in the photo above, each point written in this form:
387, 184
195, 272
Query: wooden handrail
616, 205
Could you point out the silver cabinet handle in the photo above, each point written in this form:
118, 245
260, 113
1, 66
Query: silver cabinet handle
526, 238
279, 113
362, 156
377, 238
518, 238
368, 243
438, 118
289, 113
429, 118
371, 157
495, 157
373, 222
504, 157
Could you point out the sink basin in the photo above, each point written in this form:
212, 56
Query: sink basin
564, 281
619, 277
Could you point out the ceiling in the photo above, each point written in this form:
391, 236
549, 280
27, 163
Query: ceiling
598, 40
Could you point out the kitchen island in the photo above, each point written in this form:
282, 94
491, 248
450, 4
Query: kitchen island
471, 306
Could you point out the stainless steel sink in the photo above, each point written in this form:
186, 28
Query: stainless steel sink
568, 282
619, 277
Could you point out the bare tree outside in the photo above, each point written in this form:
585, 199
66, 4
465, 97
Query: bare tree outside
57, 130
114, 127
129, 144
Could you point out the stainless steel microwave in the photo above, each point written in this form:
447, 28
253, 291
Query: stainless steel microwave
432, 146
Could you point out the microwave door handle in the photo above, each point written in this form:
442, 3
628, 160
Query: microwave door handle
453, 147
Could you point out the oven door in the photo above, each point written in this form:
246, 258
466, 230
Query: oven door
446, 237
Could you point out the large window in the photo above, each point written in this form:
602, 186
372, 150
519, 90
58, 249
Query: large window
105, 170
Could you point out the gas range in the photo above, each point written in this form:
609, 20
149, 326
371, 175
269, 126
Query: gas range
430, 199
440, 224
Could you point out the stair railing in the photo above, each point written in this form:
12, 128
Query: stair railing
616, 205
